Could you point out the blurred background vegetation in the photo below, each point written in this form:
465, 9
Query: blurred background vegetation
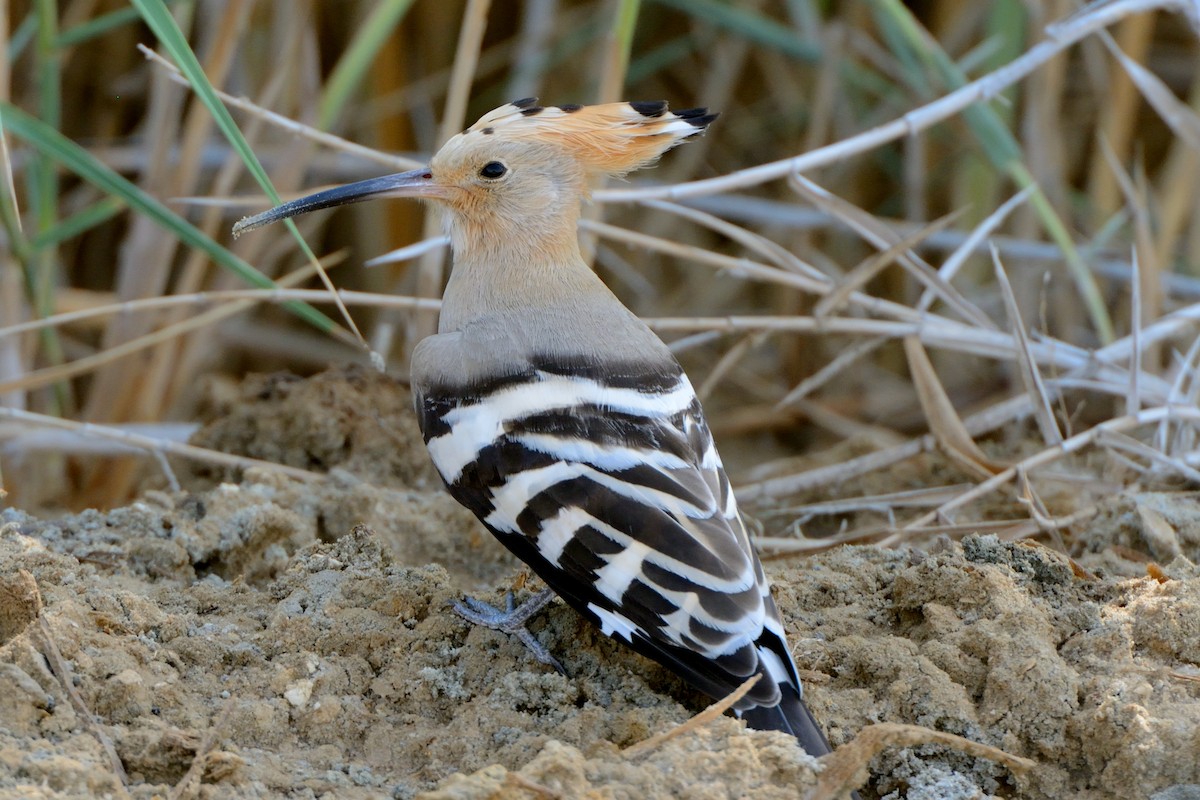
120, 185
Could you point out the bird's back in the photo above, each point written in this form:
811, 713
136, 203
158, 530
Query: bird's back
591, 461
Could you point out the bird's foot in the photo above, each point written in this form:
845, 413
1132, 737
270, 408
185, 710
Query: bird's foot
511, 621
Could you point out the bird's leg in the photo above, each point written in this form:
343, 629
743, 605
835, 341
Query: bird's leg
511, 621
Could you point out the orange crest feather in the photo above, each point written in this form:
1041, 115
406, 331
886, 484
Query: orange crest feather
611, 138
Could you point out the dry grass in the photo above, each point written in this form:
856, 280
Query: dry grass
962, 244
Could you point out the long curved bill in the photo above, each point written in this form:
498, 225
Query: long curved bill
415, 183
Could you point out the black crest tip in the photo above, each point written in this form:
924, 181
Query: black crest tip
699, 117
650, 108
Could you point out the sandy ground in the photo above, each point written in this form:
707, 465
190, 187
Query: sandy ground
297, 637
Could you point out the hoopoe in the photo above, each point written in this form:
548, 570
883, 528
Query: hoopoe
565, 424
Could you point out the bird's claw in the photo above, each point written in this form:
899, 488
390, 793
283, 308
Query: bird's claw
511, 621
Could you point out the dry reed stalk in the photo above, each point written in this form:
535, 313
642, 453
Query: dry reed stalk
12, 305
1118, 116
614, 62
134, 389
973, 241
203, 299
1060, 37
109, 355
883, 239
944, 423
432, 267
295, 127
1069, 446
1043, 407
153, 445
764, 243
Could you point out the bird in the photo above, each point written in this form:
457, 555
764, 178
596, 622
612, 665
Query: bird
565, 424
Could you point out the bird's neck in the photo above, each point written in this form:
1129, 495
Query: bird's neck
520, 264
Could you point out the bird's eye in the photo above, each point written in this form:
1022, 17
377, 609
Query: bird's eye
493, 170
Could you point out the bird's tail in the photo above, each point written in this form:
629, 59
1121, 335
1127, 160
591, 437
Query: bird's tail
790, 716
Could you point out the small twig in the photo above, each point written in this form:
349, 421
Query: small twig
1027, 496
845, 358
974, 241
1021, 251
49, 375
62, 671
1077, 442
1120, 441
196, 769
398, 163
895, 252
739, 267
754, 242
1060, 37
409, 252
907, 498
1183, 393
1043, 409
703, 718
988, 420
1010, 530
165, 466
826, 416
944, 423
726, 363
150, 444
846, 768
891, 247
349, 297
940, 333
518, 781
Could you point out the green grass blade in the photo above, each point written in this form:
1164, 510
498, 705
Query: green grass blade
624, 26
21, 37
43, 267
1004, 151
156, 15
80, 222
659, 58
357, 59
749, 24
98, 26
53, 144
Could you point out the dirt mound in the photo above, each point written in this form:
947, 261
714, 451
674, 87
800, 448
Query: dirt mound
296, 635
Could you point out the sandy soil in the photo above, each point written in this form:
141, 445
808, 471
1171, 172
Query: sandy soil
296, 636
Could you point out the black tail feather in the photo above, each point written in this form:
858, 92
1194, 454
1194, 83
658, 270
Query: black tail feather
790, 716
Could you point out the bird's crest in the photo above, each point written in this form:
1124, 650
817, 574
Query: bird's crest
611, 138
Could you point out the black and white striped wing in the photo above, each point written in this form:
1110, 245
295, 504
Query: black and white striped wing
613, 492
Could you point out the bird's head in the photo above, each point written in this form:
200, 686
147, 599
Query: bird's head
521, 167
